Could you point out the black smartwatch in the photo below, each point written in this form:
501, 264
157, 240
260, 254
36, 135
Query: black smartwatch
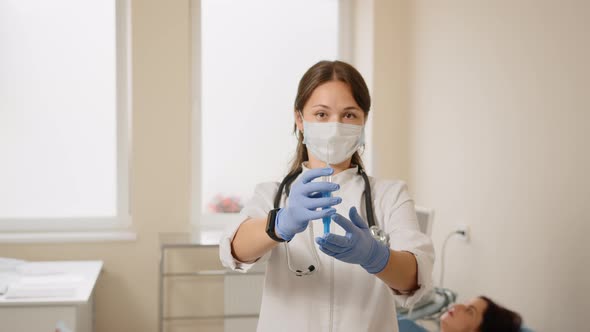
270, 225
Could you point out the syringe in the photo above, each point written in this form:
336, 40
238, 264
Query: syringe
327, 220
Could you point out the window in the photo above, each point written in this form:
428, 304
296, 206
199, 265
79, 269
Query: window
251, 57
63, 115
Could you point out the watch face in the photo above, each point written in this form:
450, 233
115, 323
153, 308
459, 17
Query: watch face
271, 216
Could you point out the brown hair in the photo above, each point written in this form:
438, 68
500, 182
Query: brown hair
498, 318
318, 74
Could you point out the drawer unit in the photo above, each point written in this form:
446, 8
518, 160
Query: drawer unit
198, 294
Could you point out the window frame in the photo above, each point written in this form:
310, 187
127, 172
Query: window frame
216, 221
16, 229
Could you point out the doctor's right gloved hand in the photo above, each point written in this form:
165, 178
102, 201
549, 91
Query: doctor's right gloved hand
303, 202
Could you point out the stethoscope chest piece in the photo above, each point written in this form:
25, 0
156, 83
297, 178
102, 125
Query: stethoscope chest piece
379, 235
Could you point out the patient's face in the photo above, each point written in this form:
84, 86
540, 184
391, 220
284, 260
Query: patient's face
464, 317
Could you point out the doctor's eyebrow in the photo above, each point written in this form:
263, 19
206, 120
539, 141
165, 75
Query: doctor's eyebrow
349, 108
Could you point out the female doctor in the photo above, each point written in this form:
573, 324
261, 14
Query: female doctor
344, 279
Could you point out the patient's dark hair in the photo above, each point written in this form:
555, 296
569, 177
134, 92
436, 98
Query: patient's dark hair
497, 318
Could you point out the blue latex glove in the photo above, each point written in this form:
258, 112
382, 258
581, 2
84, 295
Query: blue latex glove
304, 199
358, 245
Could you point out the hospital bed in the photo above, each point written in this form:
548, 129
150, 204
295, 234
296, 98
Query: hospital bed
430, 312
407, 325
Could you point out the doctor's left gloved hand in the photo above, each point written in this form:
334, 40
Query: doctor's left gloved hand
358, 245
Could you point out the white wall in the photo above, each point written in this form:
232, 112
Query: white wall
499, 132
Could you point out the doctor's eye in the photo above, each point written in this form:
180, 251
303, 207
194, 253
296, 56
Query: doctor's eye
350, 115
321, 115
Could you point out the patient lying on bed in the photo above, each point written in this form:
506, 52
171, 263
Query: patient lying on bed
477, 315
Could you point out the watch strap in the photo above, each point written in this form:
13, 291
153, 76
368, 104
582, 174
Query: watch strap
270, 225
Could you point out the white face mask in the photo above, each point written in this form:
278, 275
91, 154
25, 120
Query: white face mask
332, 142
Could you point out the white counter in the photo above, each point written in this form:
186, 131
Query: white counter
24, 311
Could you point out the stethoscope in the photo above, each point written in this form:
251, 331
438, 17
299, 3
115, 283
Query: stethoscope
377, 233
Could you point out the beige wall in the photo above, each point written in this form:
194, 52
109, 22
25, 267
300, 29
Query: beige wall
126, 294
390, 110
379, 35
499, 132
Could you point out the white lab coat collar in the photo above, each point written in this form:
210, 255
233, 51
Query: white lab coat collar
341, 177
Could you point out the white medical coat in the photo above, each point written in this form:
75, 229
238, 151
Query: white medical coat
341, 295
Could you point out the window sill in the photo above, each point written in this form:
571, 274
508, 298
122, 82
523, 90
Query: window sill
67, 237
218, 221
